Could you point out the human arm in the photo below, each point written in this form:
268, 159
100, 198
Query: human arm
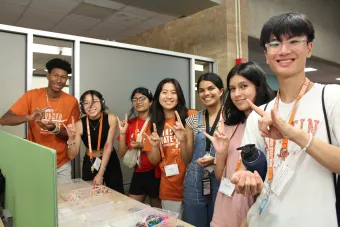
113, 122
123, 126
154, 155
74, 131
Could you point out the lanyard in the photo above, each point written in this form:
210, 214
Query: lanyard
89, 134
211, 132
136, 129
284, 145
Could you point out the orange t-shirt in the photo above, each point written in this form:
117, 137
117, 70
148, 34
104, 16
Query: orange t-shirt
61, 109
171, 188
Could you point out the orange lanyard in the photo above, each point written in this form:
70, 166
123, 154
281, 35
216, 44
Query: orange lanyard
284, 145
89, 134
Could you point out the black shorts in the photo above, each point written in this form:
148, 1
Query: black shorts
145, 183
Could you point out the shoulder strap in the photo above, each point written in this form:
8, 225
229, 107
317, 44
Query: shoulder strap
325, 115
327, 125
139, 139
265, 107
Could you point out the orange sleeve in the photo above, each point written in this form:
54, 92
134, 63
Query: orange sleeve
191, 112
22, 106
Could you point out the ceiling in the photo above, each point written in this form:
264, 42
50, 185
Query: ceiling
102, 19
326, 73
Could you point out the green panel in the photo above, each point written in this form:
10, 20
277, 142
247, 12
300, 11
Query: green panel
30, 171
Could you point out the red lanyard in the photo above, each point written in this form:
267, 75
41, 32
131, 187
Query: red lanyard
283, 151
89, 134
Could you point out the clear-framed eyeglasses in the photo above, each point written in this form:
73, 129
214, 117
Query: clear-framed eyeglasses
140, 99
292, 44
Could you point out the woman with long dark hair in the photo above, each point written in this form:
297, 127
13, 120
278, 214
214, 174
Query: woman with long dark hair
164, 147
244, 81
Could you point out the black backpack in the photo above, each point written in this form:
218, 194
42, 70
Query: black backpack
336, 184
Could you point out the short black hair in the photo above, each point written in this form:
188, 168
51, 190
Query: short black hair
141, 90
291, 24
264, 94
157, 113
59, 64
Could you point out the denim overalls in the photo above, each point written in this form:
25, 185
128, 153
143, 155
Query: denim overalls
199, 209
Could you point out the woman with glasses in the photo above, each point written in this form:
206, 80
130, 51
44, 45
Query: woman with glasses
97, 129
146, 177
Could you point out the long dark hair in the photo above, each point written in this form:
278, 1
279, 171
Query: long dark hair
157, 112
252, 72
141, 90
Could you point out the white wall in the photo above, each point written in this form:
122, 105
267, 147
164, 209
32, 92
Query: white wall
324, 14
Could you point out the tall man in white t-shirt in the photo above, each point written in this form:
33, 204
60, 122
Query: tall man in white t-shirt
298, 190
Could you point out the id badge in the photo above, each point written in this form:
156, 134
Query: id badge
171, 170
226, 187
97, 163
282, 177
206, 184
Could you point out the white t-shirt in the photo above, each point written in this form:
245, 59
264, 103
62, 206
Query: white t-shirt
308, 199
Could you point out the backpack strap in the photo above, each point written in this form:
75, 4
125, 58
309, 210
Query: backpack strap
336, 185
327, 125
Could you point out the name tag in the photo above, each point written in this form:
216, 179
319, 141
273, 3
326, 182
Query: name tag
226, 187
97, 163
282, 177
171, 170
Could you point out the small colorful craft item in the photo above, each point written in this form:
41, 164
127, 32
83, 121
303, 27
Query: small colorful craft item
100, 189
73, 196
152, 220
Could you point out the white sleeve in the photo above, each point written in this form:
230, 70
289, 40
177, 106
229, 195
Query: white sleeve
252, 134
332, 103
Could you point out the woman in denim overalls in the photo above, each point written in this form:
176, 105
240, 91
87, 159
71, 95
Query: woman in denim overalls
199, 208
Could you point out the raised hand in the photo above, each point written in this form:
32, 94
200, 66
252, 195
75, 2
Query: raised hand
154, 137
219, 140
123, 125
247, 183
71, 130
271, 125
178, 128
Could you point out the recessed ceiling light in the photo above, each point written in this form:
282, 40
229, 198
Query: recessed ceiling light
337, 78
308, 69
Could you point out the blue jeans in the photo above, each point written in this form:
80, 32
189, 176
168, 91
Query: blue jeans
198, 209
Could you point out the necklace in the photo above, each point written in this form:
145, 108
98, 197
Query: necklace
48, 102
94, 127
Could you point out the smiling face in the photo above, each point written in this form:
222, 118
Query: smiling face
241, 89
168, 97
288, 57
209, 94
57, 79
93, 107
141, 103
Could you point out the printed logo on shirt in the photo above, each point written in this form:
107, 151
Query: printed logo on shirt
169, 139
308, 125
51, 115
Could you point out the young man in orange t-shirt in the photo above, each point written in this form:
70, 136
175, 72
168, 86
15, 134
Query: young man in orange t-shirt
45, 109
